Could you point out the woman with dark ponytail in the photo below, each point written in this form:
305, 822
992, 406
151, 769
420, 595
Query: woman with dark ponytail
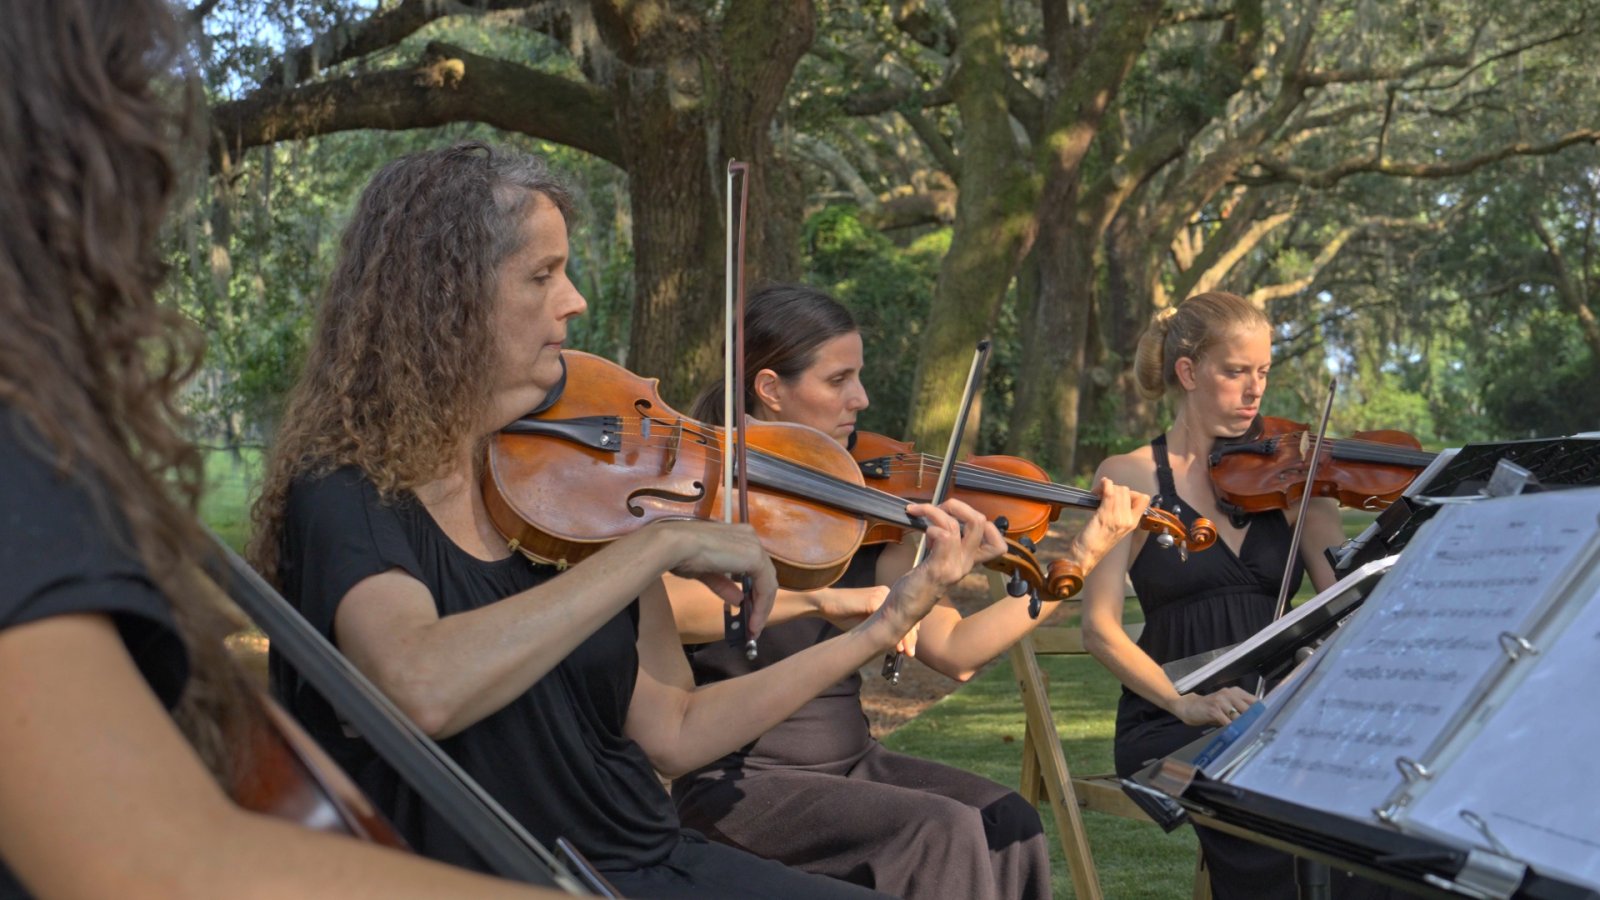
817, 792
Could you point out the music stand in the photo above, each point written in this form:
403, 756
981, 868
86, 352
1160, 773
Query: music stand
1415, 864
1552, 463
1534, 636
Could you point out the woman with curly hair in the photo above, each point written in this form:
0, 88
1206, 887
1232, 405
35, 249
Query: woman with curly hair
561, 692
122, 713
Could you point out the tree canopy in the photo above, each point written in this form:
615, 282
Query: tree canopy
1407, 188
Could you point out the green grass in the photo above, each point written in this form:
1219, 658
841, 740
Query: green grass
980, 728
230, 486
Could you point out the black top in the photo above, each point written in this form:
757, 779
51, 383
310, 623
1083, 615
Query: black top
1213, 599
830, 727
65, 553
556, 758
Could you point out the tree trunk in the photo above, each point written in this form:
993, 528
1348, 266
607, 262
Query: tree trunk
684, 108
993, 226
1046, 405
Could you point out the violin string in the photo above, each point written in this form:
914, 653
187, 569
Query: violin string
811, 484
789, 475
1370, 451
968, 475
978, 477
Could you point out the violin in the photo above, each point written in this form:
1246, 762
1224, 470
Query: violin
1265, 468
601, 463
1009, 490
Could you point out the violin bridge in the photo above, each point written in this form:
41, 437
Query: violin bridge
674, 440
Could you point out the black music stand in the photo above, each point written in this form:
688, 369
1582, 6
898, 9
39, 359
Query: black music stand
1319, 839
1552, 463
1271, 652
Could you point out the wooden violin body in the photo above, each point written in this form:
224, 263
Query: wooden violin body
283, 773
1010, 489
615, 458
600, 463
1266, 468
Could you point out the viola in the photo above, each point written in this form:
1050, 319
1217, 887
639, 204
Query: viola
1008, 488
602, 462
1265, 468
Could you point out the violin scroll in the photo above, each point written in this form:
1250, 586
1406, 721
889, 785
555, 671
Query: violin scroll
1065, 579
1170, 532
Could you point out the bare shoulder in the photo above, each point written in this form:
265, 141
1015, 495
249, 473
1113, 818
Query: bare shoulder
1135, 469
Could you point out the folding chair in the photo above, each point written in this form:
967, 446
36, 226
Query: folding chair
1044, 766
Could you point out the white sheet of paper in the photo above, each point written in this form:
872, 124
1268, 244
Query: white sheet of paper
1527, 775
1420, 648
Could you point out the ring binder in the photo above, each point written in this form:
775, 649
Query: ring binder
1516, 646
1411, 770
1479, 825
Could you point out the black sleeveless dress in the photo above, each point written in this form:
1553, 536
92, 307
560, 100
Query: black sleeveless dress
1214, 599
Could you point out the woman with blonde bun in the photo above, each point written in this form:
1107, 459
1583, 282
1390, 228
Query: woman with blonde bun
1210, 355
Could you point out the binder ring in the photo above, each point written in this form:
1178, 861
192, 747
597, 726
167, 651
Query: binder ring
1411, 770
1516, 646
1482, 827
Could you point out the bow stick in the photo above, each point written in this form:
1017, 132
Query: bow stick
736, 625
1315, 448
894, 662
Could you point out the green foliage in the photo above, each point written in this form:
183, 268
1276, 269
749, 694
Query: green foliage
1428, 317
252, 249
887, 288
1542, 382
231, 479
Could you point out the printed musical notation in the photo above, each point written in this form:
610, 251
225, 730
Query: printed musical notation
1396, 678
1522, 782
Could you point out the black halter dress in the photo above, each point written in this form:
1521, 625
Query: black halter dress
1213, 599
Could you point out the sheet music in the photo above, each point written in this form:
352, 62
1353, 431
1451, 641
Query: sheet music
1346, 591
1526, 780
1406, 665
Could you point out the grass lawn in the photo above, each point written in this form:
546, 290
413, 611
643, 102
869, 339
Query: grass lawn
980, 727
230, 487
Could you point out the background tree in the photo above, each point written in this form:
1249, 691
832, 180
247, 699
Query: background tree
1405, 187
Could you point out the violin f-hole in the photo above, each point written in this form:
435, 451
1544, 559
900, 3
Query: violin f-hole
670, 496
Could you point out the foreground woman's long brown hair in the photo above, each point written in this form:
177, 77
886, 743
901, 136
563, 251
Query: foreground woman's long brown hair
104, 643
